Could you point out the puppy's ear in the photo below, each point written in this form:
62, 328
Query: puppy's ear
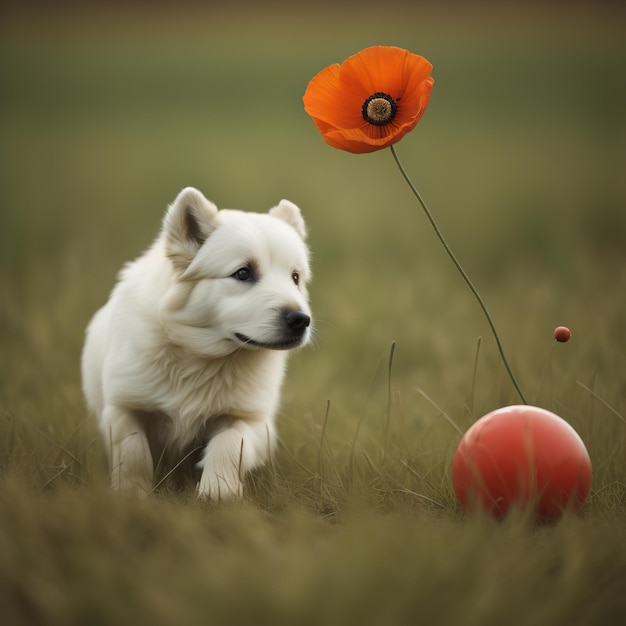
189, 221
290, 213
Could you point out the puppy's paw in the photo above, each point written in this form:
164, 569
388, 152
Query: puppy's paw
217, 487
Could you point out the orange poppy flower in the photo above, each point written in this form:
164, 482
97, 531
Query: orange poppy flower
370, 101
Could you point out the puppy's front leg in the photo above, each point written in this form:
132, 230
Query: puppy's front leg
230, 454
128, 449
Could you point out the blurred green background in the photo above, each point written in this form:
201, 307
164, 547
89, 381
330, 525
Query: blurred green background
109, 110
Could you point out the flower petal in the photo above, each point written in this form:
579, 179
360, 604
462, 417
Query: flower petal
379, 68
325, 99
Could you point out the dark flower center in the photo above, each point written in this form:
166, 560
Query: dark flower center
379, 109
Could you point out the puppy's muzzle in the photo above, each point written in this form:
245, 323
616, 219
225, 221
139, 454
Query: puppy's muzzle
291, 331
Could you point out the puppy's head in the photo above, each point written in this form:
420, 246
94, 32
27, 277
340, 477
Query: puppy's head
240, 278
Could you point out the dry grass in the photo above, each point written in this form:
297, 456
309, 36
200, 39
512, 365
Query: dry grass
105, 117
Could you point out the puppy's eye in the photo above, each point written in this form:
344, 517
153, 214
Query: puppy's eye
244, 274
295, 276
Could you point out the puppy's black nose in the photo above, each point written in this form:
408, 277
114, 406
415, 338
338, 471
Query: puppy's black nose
296, 320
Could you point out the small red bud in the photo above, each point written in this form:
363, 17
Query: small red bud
562, 333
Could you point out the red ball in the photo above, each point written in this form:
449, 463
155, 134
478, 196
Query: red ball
562, 333
522, 456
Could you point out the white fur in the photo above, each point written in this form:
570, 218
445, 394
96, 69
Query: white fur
185, 349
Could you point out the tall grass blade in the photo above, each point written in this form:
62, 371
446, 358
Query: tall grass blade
388, 417
441, 411
601, 401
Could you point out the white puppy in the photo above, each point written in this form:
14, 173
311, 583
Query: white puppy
191, 347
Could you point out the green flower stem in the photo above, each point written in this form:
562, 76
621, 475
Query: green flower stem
458, 266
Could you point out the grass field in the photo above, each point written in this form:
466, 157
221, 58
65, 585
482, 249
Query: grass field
522, 157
